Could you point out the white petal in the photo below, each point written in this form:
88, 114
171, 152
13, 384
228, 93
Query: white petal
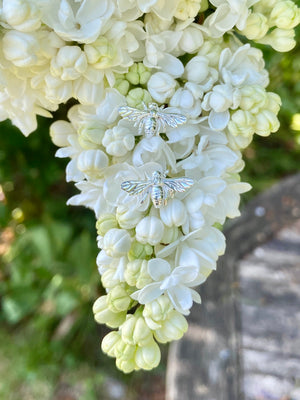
181, 297
158, 269
218, 121
148, 293
186, 274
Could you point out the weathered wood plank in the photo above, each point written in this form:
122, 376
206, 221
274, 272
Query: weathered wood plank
270, 313
206, 363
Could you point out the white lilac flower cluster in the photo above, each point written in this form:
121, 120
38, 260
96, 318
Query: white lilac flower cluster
191, 57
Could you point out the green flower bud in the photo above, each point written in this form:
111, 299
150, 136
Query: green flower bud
118, 299
122, 85
148, 357
126, 366
109, 343
137, 96
138, 74
203, 6
124, 350
106, 222
136, 273
173, 328
140, 251
135, 331
103, 315
157, 311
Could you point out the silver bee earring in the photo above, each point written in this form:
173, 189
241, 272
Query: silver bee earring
153, 120
159, 188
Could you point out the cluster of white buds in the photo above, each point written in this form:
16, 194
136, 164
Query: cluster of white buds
167, 97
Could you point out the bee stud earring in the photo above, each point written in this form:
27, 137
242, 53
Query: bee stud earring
159, 188
153, 120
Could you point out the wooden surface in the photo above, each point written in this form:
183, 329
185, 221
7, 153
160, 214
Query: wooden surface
208, 363
270, 313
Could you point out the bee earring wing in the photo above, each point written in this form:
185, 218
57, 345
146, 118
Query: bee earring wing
179, 184
172, 120
130, 113
135, 187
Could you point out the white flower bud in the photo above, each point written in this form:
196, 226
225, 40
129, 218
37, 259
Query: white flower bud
148, 357
197, 69
242, 123
125, 351
274, 102
109, 343
256, 26
161, 86
238, 142
136, 273
90, 134
221, 98
184, 99
170, 234
118, 141
21, 48
30, 49
187, 9
191, 39
128, 218
109, 279
60, 131
116, 242
101, 53
281, 40
118, 299
157, 311
173, 328
253, 98
150, 230
135, 331
126, 365
174, 213
103, 315
266, 122
285, 14
106, 222
91, 162
69, 64
22, 15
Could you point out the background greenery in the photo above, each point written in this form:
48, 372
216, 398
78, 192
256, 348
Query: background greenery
49, 341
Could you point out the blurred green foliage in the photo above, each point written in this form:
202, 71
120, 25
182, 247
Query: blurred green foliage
273, 158
48, 276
